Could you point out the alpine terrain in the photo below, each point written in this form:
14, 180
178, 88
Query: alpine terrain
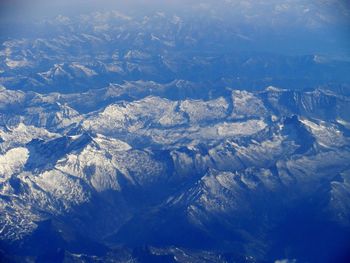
211, 133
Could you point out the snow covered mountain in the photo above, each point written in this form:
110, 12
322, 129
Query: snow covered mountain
219, 132
235, 161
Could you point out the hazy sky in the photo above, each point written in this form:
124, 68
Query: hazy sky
273, 14
22, 9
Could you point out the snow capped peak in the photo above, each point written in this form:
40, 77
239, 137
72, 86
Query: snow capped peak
57, 71
274, 89
82, 70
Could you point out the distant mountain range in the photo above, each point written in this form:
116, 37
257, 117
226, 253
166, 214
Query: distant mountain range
71, 54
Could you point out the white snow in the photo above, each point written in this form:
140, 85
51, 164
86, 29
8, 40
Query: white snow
240, 128
12, 162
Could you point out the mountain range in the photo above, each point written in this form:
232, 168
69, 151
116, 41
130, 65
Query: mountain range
211, 133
